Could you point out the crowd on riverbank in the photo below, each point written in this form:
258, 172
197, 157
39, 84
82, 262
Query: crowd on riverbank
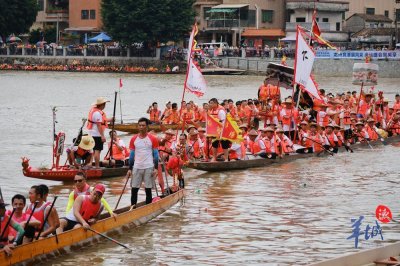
88, 68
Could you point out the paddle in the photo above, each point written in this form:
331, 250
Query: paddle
109, 238
328, 151
165, 173
47, 217
123, 190
7, 224
27, 222
112, 129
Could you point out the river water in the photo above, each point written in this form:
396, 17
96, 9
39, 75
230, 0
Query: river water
290, 214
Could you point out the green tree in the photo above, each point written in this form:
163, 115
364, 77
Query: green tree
17, 16
149, 21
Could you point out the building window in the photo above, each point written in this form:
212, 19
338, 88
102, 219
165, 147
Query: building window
387, 13
301, 19
40, 4
267, 15
206, 14
343, 15
325, 19
92, 14
337, 26
370, 11
85, 14
398, 15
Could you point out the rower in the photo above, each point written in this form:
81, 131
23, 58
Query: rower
219, 113
269, 141
82, 154
338, 132
165, 144
289, 116
120, 153
172, 117
360, 134
313, 139
18, 202
196, 146
83, 188
285, 143
6, 230
371, 129
331, 141
154, 113
85, 211
39, 193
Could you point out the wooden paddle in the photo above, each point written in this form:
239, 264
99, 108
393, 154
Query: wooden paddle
109, 238
123, 190
7, 224
328, 151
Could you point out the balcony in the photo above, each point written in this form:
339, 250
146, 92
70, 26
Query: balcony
320, 6
229, 23
292, 26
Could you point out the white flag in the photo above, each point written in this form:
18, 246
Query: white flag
304, 61
195, 81
191, 42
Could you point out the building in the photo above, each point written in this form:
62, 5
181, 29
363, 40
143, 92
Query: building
229, 20
330, 18
52, 13
370, 30
84, 18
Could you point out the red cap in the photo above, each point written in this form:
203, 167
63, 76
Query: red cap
100, 188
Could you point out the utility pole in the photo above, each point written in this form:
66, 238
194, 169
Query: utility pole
57, 33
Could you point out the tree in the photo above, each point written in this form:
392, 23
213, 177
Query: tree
17, 16
133, 21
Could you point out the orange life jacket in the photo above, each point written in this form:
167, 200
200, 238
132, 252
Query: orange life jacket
117, 154
90, 123
290, 113
173, 118
331, 139
364, 108
194, 146
81, 153
324, 121
155, 115
371, 133
263, 95
315, 142
346, 116
89, 209
5, 231
340, 138
286, 145
269, 145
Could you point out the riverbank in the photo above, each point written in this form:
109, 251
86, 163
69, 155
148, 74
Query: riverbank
251, 66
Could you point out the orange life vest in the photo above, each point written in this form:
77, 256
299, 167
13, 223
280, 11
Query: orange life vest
89, 209
194, 146
324, 121
269, 145
289, 114
173, 118
314, 141
346, 116
90, 123
263, 94
371, 133
117, 154
155, 115
340, 139
6, 232
364, 108
286, 145
81, 153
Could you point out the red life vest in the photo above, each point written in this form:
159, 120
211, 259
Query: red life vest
346, 117
269, 145
289, 114
89, 209
331, 139
254, 147
39, 211
195, 147
314, 141
364, 108
3, 227
81, 153
85, 191
322, 121
263, 94
90, 123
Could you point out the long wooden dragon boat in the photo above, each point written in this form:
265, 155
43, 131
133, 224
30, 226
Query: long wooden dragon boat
38, 250
378, 256
261, 162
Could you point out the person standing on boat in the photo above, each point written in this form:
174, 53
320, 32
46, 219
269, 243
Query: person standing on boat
6, 230
85, 211
219, 113
154, 113
37, 193
289, 116
97, 124
143, 161
83, 188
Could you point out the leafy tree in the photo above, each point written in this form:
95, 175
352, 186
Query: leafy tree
49, 35
17, 16
133, 21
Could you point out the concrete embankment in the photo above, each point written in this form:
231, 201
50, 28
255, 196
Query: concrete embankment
254, 66
323, 67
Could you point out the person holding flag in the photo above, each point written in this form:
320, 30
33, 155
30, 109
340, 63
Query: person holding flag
218, 113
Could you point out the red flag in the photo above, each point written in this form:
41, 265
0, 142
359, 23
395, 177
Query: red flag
213, 127
231, 130
315, 28
120, 83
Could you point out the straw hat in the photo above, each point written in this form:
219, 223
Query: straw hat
243, 125
386, 100
313, 124
359, 123
279, 130
194, 132
170, 132
270, 129
87, 143
189, 127
100, 101
330, 125
304, 123
201, 129
288, 100
371, 119
253, 133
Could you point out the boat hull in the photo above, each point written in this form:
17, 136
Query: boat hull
66, 174
246, 164
38, 250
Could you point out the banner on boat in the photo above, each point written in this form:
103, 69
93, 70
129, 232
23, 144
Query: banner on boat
231, 130
349, 54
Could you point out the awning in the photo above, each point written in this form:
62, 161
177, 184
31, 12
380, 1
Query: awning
230, 6
221, 10
82, 29
290, 38
263, 33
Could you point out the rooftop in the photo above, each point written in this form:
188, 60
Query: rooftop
372, 18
